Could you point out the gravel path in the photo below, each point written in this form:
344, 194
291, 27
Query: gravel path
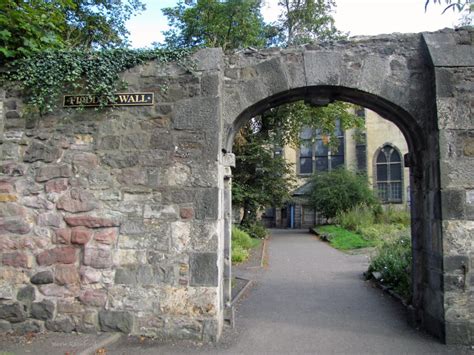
310, 299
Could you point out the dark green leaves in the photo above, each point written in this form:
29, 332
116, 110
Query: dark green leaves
45, 76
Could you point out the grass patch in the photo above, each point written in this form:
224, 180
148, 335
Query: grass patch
343, 239
241, 245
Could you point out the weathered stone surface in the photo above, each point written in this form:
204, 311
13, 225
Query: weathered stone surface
62, 324
43, 310
50, 219
55, 291
8, 197
63, 236
138, 275
56, 185
66, 275
5, 326
12, 312
52, 172
14, 225
7, 291
106, 236
90, 275
37, 202
17, 259
98, 257
96, 298
64, 255
42, 278
26, 294
77, 200
91, 222
40, 151
112, 321
6, 187
85, 160
186, 212
203, 269
81, 235
27, 327
13, 169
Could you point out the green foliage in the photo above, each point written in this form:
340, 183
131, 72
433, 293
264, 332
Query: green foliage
338, 191
257, 170
230, 24
241, 244
356, 218
44, 76
373, 224
303, 21
255, 230
283, 124
391, 215
393, 260
343, 239
28, 27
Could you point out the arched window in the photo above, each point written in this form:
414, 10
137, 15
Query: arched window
389, 174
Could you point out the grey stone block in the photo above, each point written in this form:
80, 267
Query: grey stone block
43, 310
139, 275
62, 324
30, 326
26, 294
203, 269
112, 321
12, 312
456, 263
453, 202
459, 333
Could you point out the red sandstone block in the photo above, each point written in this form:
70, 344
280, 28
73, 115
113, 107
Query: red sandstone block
95, 298
106, 236
66, 275
80, 235
63, 236
56, 185
91, 222
63, 255
99, 258
186, 212
6, 187
17, 259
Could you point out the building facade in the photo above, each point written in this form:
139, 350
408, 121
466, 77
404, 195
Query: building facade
376, 151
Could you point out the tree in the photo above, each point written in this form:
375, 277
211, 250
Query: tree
227, 24
303, 21
464, 7
31, 26
261, 178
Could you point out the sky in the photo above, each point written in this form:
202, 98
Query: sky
358, 17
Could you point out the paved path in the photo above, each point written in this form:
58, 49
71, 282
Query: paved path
312, 300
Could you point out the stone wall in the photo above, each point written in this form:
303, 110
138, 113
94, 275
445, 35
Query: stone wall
119, 220
453, 60
112, 220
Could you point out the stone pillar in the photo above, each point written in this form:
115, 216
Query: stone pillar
452, 55
228, 162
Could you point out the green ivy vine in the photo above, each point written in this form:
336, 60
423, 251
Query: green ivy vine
45, 76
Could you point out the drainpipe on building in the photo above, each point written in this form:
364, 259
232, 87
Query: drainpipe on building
292, 216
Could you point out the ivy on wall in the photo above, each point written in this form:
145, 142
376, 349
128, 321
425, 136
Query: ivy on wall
45, 76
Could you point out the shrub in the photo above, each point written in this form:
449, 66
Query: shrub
358, 216
241, 244
241, 238
393, 261
394, 216
340, 190
255, 230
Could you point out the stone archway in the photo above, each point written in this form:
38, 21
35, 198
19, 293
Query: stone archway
393, 76
117, 220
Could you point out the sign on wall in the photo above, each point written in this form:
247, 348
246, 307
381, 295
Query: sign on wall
125, 99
